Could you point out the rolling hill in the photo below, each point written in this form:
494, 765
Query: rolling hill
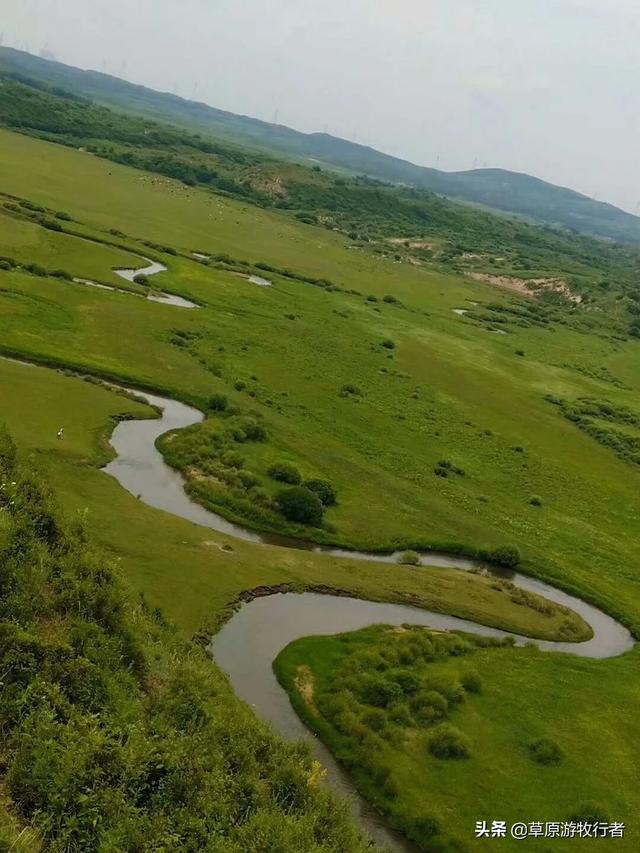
499, 189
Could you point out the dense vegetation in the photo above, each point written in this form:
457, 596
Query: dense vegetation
437, 728
116, 734
497, 188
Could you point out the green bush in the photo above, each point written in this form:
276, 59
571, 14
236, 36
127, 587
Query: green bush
249, 429
349, 389
424, 827
300, 505
409, 558
325, 490
63, 274
232, 459
285, 472
141, 279
374, 689
545, 751
535, 500
449, 743
218, 403
507, 556
408, 681
388, 344
471, 682
590, 812
430, 706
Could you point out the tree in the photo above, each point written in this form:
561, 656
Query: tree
300, 505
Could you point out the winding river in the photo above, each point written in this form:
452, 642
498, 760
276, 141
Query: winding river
249, 642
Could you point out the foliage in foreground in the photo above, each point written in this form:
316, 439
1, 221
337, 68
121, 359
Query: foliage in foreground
116, 734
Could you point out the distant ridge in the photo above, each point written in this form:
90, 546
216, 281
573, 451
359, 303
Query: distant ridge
499, 189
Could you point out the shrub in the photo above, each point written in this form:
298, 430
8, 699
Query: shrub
449, 743
51, 224
375, 719
285, 472
377, 691
218, 403
388, 344
389, 299
63, 274
232, 459
325, 490
430, 706
408, 681
409, 558
5, 265
300, 505
253, 431
239, 385
535, 500
36, 269
424, 827
350, 389
248, 479
520, 352
471, 682
372, 298
399, 714
507, 556
591, 812
545, 751
141, 279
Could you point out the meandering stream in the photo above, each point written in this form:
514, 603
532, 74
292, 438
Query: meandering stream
249, 642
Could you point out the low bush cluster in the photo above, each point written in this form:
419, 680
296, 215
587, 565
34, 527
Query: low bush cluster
390, 689
210, 455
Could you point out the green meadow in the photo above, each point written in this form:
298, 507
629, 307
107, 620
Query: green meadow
528, 750
371, 395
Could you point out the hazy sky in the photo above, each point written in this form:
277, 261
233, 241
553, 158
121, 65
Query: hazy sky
549, 87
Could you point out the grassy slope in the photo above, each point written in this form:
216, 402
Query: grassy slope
117, 734
526, 695
182, 567
27, 242
380, 452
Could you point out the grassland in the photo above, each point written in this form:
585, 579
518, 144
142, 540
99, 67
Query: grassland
516, 697
448, 390
186, 570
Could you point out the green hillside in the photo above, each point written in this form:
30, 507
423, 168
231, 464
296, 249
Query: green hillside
507, 191
377, 368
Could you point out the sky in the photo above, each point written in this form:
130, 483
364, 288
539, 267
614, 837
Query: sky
548, 87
